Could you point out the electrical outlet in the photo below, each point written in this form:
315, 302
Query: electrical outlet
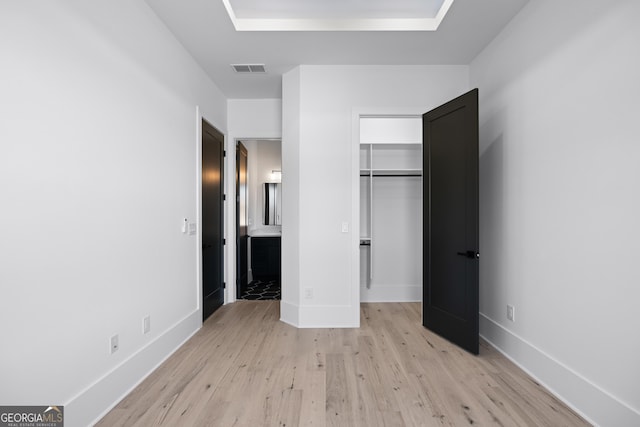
511, 313
113, 344
308, 293
146, 324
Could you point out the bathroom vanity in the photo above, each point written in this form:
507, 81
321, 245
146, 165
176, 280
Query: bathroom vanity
265, 256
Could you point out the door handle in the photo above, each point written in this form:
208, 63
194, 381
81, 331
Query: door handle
470, 254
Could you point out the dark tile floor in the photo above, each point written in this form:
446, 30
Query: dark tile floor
259, 290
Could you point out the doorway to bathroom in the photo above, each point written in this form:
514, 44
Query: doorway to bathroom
258, 219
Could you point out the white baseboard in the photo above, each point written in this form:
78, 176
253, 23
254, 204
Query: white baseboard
593, 403
320, 316
391, 293
90, 405
289, 313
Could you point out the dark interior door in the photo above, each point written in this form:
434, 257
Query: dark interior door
242, 219
212, 219
451, 258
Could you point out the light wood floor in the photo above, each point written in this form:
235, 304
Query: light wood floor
246, 368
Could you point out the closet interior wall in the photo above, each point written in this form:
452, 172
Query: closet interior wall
390, 209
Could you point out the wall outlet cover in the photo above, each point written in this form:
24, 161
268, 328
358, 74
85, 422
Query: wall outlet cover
113, 344
511, 313
146, 324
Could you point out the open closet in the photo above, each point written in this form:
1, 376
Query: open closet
411, 164
390, 209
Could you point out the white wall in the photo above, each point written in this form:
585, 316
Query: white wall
318, 143
291, 127
98, 165
560, 201
247, 119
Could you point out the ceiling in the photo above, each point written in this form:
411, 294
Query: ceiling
205, 29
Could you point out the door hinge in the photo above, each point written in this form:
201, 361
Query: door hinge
224, 197
224, 153
224, 241
224, 285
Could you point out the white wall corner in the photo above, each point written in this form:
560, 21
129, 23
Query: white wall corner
290, 313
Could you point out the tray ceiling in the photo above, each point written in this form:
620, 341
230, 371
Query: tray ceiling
206, 31
337, 15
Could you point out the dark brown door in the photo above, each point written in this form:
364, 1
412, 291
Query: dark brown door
242, 219
451, 258
212, 219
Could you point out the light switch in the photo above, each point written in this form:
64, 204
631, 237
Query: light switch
345, 227
184, 225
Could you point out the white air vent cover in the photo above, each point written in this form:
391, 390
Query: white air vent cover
249, 68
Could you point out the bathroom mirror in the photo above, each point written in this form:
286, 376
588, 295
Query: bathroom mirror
272, 203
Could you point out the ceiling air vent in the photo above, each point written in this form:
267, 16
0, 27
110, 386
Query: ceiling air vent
249, 68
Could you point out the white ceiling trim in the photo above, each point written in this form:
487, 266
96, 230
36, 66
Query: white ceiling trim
365, 24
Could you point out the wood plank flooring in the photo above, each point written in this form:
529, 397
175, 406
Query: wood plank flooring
246, 368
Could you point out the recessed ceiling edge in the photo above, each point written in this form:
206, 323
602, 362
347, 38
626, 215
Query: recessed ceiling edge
365, 24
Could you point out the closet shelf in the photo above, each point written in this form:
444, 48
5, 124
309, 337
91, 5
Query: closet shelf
390, 172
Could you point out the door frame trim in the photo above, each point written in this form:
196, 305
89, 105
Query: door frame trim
236, 202
356, 115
